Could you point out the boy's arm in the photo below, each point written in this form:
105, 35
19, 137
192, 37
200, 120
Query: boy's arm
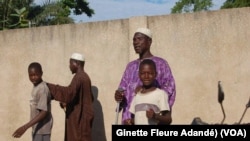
21, 130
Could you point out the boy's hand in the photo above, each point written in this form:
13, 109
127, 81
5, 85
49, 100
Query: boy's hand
19, 132
150, 113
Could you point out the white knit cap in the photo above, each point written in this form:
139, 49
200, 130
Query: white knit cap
77, 56
145, 31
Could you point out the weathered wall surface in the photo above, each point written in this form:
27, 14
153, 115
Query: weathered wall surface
201, 48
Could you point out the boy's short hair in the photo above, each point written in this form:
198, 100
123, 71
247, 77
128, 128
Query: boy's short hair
148, 62
35, 65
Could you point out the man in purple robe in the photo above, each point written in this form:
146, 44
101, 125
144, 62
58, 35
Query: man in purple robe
130, 80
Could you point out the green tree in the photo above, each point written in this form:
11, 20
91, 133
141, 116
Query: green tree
21, 15
11, 12
235, 4
79, 7
186, 6
50, 13
58, 12
17, 13
4, 13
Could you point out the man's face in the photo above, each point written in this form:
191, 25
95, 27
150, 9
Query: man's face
72, 66
141, 43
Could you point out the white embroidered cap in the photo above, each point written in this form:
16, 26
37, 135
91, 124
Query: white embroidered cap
145, 31
77, 56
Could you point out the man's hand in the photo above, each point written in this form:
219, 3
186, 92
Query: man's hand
63, 105
128, 122
137, 89
119, 95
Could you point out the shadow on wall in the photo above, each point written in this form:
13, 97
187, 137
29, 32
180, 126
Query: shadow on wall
98, 130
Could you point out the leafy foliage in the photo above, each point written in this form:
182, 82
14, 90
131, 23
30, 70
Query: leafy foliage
50, 13
13, 14
186, 6
235, 4
79, 7
20, 15
24, 13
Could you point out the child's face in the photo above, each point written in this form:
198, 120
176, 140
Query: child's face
35, 76
147, 74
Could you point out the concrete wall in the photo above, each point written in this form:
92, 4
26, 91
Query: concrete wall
201, 48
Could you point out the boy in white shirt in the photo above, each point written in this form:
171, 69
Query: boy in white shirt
150, 104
